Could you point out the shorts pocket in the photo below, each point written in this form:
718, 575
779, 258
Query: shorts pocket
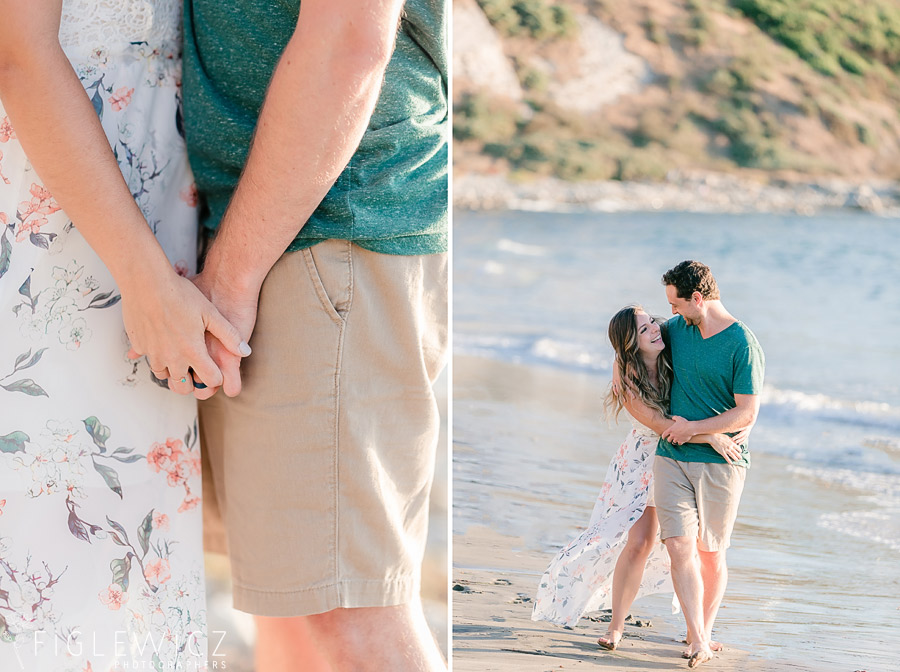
330, 268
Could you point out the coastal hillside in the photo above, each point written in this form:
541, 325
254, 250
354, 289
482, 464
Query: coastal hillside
588, 90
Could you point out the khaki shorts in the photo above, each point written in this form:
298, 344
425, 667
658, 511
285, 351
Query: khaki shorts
698, 499
317, 476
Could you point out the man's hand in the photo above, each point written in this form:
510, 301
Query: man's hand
679, 432
238, 307
166, 320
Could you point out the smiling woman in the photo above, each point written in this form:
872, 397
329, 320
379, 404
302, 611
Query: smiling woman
618, 557
817, 531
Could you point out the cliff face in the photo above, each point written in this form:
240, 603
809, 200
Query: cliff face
479, 62
632, 90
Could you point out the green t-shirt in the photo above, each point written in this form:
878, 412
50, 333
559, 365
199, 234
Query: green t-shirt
708, 373
392, 197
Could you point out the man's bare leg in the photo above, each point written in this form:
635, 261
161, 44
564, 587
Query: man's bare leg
371, 638
714, 574
688, 583
287, 644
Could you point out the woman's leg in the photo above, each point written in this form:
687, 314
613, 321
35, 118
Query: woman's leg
630, 570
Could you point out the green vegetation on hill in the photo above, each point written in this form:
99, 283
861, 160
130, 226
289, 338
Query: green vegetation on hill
833, 35
779, 86
533, 18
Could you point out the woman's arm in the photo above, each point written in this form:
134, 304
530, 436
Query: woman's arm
165, 315
728, 447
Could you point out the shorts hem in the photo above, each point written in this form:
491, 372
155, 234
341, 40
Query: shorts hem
341, 595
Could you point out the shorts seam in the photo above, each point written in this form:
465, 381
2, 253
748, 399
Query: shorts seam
326, 586
336, 569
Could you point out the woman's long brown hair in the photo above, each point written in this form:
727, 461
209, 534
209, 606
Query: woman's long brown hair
633, 374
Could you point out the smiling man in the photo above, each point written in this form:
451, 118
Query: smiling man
718, 375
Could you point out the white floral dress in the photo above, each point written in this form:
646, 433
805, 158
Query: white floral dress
101, 562
579, 579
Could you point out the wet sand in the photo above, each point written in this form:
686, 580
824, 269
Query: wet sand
493, 585
530, 452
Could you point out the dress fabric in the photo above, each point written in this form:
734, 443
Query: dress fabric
579, 579
101, 558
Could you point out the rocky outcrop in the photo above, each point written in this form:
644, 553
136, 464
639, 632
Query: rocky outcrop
479, 62
605, 71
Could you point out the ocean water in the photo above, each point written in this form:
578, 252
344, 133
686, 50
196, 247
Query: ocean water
815, 562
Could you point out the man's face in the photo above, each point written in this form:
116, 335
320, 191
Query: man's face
687, 308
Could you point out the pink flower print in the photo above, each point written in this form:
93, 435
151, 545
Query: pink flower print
194, 463
6, 131
604, 491
190, 502
113, 597
165, 456
190, 195
178, 474
41, 202
120, 99
2, 176
645, 480
28, 227
160, 521
158, 572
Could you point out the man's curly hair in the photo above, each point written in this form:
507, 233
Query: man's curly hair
692, 276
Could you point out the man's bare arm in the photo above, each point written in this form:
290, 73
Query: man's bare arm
740, 417
316, 111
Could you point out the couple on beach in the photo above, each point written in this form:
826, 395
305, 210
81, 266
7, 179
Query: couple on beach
691, 386
311, 144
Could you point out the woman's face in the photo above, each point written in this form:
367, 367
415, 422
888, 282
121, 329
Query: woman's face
649, 336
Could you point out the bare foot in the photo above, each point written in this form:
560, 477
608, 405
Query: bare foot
714, 646
610, 641
702, 655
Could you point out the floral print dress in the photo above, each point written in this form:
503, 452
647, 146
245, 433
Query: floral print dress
101, 562
579, 579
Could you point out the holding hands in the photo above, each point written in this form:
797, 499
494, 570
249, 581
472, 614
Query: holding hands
680, 431
181, 332
729, 447
238, 305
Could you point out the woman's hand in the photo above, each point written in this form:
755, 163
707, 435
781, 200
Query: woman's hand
680, 431
742, 436
166, 318
725, 446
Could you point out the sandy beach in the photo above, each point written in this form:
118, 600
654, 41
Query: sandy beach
530, 452
494, 579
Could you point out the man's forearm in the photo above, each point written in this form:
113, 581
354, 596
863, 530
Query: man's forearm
732, 420
316, 111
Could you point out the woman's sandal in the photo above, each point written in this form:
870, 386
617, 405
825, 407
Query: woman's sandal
609, 642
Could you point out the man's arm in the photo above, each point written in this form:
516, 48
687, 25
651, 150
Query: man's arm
317, 108
740, 417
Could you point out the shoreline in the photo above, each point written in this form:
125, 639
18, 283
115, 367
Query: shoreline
529, 452
493, 586
681, 191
